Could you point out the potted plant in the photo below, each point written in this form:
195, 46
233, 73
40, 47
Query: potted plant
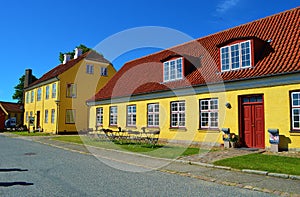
234, 140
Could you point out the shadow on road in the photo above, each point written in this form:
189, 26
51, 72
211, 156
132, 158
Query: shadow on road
9, 184
13, 170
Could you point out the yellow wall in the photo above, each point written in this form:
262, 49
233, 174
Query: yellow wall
41, 106
276, 112
87, 86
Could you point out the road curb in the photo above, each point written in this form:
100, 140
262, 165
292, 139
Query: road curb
255, 171
258, 172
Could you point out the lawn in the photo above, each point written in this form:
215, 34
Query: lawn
270, 163
162, 151
25, 133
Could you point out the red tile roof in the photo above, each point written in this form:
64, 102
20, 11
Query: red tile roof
55, 72
12, 107
281, 55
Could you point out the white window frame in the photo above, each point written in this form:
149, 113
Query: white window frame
39, 94
227, 58
99, 116
71, 90
47, 92
113, 115
295, 106
54, 89
210, 107
46, 115
103, 71
70, 116
173, 70
178, 114
32, 96
153, 115
131, 116
53, 116
27, 97
90, 69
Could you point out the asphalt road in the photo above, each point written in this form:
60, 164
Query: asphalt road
29, 168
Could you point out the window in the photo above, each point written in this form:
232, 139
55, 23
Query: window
71, 90
178, 114
131, 115
54, 90
89, 69
53, 116
99, 116
27, 97
27, 118
39, 94
236, 56
173, 70
70, 116
47, 92
32, 96
153, 115
295, 99
103, 71
209, 113
46, 116
113, 116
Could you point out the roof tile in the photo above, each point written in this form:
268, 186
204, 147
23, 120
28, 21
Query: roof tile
144, 75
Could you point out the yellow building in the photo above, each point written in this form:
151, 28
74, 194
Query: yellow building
244, 80
55, 103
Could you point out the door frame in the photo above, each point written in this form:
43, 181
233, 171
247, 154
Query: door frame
240, 115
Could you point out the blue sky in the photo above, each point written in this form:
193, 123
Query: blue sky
33, 32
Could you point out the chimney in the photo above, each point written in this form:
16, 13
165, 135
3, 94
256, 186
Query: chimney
67, 57
28, 78
78, 52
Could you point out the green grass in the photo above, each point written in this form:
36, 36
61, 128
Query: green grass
270, 163
146, 149
25, 133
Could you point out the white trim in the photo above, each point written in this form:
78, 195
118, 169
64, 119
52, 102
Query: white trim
169, 70
239, 44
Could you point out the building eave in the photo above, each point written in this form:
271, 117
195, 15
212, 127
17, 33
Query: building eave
238, 84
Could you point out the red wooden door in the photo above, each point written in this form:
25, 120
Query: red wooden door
253, 122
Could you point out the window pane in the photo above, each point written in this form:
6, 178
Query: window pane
47, 92
235, 56
54, 90
245, 52
172, 68
166, 71
179, 69
225, 58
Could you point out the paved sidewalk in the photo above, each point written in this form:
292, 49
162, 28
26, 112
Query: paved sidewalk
139, 163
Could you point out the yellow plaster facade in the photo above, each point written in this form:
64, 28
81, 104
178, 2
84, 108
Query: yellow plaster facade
60, 105
276, 115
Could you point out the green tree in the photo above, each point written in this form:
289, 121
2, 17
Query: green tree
72, 53
18, 95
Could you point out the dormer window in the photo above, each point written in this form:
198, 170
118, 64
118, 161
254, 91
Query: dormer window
236, 56
173, 69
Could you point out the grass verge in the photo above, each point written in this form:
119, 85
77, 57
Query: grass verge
25, 133
161, 151
270, 163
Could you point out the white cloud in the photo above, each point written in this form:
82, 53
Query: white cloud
225, 5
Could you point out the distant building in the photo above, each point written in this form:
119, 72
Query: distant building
57, 101
12, 111
245, 79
